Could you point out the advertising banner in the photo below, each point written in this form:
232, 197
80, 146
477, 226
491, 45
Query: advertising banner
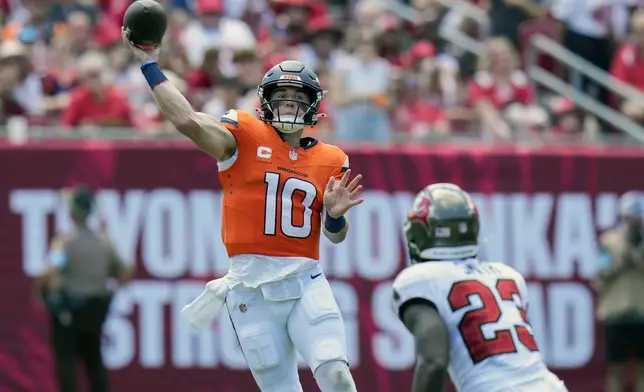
541, 211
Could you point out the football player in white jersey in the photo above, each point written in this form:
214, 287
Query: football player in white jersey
468, 317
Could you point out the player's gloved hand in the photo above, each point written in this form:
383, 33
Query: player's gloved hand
142, 55
340, 197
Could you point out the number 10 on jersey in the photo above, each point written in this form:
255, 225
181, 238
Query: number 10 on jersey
286, 193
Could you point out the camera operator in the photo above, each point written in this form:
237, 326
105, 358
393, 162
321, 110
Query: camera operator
620, 288
76, 291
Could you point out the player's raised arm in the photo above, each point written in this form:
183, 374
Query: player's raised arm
206, 132
340, 195
432, 346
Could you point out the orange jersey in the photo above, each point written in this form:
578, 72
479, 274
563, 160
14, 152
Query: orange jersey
273, 194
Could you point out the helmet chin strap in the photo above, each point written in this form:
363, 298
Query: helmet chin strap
289, 124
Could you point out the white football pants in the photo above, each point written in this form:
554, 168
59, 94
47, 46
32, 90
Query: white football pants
273, 321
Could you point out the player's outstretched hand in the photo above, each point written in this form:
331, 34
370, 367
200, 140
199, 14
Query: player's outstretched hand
339, 196
142, 55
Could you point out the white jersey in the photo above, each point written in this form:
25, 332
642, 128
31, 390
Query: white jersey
484, 307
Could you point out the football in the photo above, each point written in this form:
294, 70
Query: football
145, 23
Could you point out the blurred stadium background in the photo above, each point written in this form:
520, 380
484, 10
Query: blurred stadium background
534, 106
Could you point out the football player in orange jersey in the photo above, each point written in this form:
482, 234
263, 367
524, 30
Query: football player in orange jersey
280, 191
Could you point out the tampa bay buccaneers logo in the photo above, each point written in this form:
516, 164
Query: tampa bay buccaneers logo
420, 209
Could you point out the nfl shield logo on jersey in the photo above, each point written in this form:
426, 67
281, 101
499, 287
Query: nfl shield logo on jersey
292, 155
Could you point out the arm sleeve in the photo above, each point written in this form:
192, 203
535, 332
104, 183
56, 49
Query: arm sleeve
339, 172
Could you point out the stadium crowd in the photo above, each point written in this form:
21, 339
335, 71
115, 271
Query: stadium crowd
387, 69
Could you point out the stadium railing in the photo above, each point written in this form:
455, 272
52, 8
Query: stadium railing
124, 136
451, 30
537, 44
542, 44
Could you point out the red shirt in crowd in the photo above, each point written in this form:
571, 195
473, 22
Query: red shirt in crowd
198, 79
415, 113
483, 88
85, 108
628, 65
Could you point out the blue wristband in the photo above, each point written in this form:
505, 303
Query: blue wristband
152, 73
334, 225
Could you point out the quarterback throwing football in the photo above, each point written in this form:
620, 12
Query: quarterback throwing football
280, 190
468, 317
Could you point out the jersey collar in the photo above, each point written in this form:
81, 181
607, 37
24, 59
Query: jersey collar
305, 142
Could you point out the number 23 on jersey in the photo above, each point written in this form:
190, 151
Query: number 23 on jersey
480, 347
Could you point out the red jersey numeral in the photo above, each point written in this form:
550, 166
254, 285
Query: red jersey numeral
479, 347
506, 288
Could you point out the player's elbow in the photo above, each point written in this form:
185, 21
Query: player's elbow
433, 364
432, 342
432, 361
431, 372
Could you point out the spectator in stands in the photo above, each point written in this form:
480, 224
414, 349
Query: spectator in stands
507, 15
31, 18
114, 10
359, 94
588, 33
391, 39
61, 75
225, 97
323, 130
179, 20
498, 84
35, 49
367, 13
80, 30
321, 48
127, 75
173, 55
213, 30
431, 15
291, 22
9, 81
437, 75
207, 76
620, 288
567, 121
28, 93
62, 10
218, 41
249, 74
245, 9
416, 116
31, 13
288, 27
628, 65
419, 92
96, 102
